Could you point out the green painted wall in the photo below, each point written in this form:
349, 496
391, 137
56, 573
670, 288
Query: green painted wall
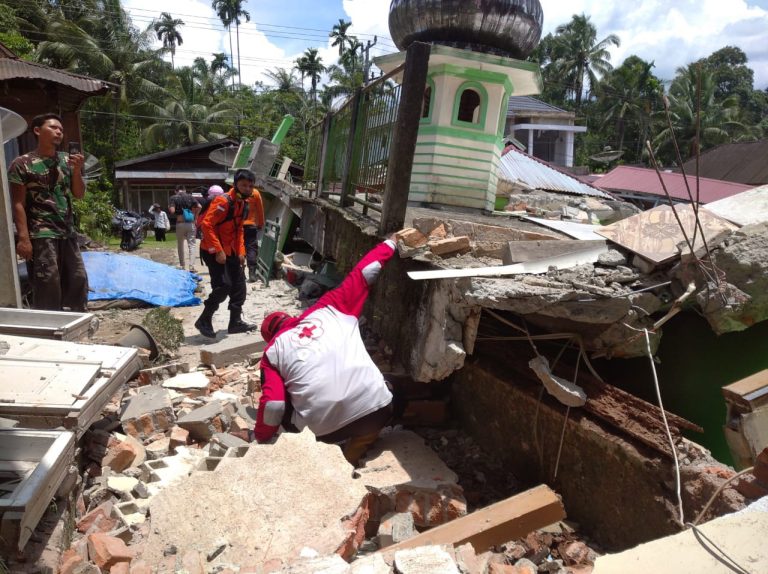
695, 365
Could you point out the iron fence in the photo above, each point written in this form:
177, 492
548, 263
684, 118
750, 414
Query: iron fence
348, 152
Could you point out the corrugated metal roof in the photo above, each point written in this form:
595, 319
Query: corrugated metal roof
520, 105
185, 175
177, 151
643, 180
13, 68
519, 167
743, 162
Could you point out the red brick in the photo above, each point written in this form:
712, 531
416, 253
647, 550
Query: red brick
412, 237
146, 424
434, 510
751, 488
129, 427
144, 378
574, 553
761, 467
120, 568
403, 500
450, 246
218, 424
455, 508
120, 456
103, 510
106, 551
179, 437
438, 232
69, 560
162, 421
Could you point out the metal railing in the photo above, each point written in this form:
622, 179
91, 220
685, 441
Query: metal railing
348, 152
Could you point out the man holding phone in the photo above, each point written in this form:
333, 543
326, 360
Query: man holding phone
43, 183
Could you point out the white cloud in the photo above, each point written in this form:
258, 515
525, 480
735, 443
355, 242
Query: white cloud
672, 34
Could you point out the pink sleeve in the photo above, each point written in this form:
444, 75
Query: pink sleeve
271, 403
350, 296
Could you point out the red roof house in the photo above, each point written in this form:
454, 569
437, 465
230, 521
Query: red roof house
642, 186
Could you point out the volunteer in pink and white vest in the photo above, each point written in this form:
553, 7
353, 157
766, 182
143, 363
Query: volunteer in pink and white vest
316, 371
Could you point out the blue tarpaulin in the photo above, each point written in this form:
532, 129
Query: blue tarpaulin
117, 276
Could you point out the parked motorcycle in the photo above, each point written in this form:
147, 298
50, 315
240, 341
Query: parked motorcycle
132, 228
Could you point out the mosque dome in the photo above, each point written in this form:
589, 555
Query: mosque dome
505, 27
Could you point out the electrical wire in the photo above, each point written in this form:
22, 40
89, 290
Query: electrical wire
678, 488
718, 491
713, 549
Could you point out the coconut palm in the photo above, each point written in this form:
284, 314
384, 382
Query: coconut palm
695, 89
167, 30
578, 57
284, 80
340, 36
310, 65
631, 94
230, 12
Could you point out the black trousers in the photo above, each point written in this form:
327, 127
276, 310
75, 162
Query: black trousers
159, 233
227, 280
251, 239
57, 274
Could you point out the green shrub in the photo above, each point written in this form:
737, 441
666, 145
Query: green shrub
93, 213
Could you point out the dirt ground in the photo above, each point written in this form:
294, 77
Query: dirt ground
114, 323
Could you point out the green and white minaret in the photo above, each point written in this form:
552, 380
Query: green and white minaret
474, 68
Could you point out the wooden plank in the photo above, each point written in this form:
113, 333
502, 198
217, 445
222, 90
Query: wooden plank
495, 524
749, 392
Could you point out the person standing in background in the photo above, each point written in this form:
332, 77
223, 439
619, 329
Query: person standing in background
162, 223
43, 183
253, 222
185, 208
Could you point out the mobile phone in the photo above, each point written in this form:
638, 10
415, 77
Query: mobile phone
73, 148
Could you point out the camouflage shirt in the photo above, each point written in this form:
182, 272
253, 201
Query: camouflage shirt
49, 200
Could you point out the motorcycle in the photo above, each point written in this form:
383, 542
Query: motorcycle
132, 227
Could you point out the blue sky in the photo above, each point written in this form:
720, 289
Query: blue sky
672, 33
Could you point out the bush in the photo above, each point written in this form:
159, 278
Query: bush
93, 213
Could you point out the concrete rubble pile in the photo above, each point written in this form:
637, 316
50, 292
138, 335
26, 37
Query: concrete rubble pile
605, 302
170, 485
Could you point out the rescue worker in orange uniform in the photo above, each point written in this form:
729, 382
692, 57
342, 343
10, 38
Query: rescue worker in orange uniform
253, 222
223, 252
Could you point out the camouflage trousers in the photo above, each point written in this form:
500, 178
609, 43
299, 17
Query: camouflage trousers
57, 274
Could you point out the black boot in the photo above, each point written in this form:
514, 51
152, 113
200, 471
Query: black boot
203, 323
237, 325
252, 278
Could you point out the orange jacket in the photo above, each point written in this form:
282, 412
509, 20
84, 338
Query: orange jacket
255, 215
219, 234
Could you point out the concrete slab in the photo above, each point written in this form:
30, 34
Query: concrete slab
194, 384
406, 475
269, 504
741, 536
522, 251
744, 208
204, 422
231, 350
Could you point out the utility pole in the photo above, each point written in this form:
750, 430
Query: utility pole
367, 60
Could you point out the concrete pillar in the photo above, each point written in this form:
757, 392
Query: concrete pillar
10, 290
568, 149
530, 142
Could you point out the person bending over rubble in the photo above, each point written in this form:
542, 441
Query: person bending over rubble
316, 371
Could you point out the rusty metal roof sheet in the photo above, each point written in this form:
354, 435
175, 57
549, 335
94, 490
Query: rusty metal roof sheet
520, 168
646, 181
742, 162
13, 68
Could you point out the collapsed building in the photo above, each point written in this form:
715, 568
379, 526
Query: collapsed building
533, 317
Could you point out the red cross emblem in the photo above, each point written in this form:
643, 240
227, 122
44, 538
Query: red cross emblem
307, 332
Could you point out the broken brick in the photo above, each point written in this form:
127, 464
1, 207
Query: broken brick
438, 232
86, 523
761, 467
412, 237
149, 412
120, 568
106, 551
179, 437
70, 559
450, 246
120, 455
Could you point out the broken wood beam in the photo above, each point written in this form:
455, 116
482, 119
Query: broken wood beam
500, 522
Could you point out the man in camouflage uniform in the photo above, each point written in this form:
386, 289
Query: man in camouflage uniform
43, 183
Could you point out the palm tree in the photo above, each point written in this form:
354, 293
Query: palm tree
578, 57
229, 12
311, 65
284, 80
340, 36
717, 120
167, 30
632, 93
